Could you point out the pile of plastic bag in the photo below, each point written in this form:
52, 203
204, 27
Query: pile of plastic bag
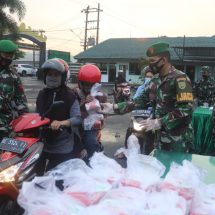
109, 189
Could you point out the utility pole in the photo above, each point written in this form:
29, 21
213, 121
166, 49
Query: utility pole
87, 11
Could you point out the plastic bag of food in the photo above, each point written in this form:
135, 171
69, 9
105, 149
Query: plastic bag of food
105, 168
133, 146
122, 201
142, 171
203, 201
85, 189
93, 121
66, 169
186, 175
41, 196
94, 118
168, 203
94, 106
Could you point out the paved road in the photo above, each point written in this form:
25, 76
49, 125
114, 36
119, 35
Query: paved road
113, 133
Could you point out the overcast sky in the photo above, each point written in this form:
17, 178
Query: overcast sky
119, 19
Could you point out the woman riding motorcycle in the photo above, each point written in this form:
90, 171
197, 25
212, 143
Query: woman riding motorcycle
62, 138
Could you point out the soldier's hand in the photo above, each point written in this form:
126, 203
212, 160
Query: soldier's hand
151, 124
108, 108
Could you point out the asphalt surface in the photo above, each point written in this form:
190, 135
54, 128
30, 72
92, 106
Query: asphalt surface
113, 133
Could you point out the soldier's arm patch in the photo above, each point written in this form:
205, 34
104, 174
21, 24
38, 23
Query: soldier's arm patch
183, 90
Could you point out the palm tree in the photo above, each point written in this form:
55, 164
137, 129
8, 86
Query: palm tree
7, 23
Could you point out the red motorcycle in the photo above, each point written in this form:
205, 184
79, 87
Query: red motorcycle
19, 156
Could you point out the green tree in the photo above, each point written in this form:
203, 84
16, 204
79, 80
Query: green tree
8, 8
19, 54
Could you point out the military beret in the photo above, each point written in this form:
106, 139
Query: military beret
205, 68
7, 46
157, 48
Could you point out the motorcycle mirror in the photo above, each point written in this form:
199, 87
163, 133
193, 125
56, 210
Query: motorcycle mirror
54, 105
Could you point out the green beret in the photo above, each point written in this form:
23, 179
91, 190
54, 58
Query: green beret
205, 68
7, 46
157, 49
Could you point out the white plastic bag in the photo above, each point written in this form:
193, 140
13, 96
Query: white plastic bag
84, 188
203, 201
93, 120
66, 169
133, 147
105, 168
41, 196
186, 175
142, 171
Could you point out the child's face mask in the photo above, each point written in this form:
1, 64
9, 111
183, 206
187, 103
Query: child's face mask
146, 80
53, 81
86, 86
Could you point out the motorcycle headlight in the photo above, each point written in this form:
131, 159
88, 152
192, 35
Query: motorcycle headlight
137, 126
8, 175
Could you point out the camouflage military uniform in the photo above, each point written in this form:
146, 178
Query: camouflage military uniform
174, 99
12, 99
204, 91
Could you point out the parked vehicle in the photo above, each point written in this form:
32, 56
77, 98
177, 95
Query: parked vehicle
19, 156
25, 69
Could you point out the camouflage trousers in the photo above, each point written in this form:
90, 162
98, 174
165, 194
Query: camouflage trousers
178, 143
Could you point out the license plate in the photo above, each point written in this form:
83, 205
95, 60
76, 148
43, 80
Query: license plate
12, 145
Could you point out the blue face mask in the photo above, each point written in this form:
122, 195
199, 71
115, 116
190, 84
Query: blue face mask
146, 80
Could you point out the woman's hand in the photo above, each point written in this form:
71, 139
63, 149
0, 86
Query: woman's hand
89, 99
55, 125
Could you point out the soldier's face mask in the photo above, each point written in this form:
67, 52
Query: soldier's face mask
205, 75
6, 59
156, 66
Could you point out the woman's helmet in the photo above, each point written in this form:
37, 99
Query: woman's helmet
89, 73
60, 66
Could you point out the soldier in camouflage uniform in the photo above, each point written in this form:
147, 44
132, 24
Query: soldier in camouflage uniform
204, 90
12, 98
171, 91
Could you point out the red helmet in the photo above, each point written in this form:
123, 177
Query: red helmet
89, 73
66, 68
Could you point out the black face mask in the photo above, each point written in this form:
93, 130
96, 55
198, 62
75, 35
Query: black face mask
205, 77
4, 63
155, 68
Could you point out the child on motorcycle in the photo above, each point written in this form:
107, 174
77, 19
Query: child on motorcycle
121, 90
88, 76
147, 74
62, 138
